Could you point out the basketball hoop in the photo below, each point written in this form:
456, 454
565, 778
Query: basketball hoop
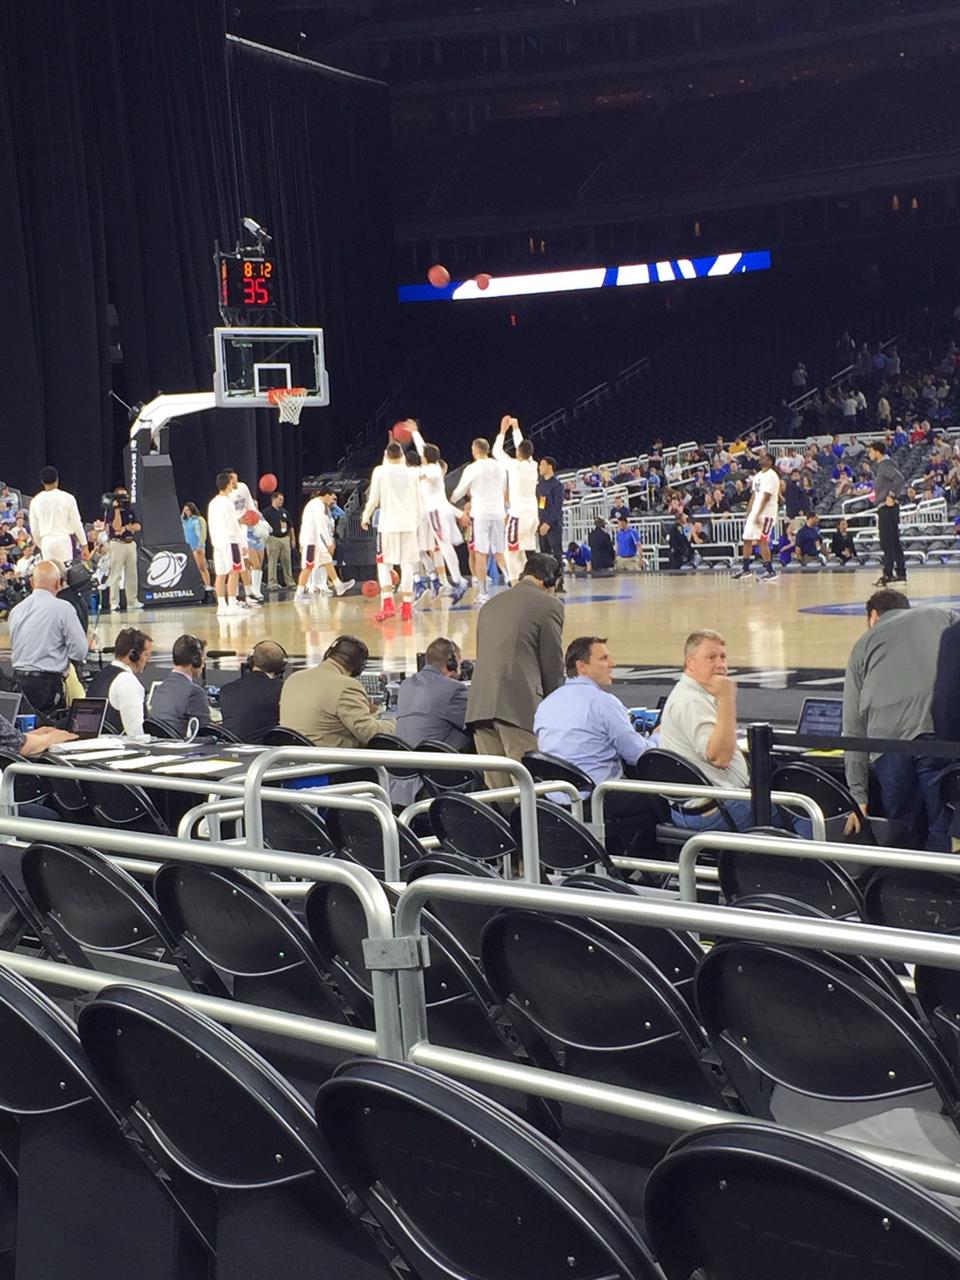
288, 401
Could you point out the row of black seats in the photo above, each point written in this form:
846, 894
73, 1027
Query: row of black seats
149, 1141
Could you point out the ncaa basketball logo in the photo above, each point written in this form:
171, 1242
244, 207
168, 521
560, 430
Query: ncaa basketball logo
166, 569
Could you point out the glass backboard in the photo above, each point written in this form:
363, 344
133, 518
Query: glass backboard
251, 362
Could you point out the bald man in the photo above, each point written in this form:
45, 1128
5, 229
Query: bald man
45, 637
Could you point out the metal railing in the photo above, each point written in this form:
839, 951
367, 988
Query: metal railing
503, 793
428, 761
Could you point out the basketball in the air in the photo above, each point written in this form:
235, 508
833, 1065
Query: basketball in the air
250, 518
483, 280
401, 433
268, 483
438, 276
370, 588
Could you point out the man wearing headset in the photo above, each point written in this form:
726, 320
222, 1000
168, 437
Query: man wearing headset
251, 705
119, 682
179, 698
328, 704
433, 703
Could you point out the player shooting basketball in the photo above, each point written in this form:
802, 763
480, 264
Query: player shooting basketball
439, 531
395, 492
523, 512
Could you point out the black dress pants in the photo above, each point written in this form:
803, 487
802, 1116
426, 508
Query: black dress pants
42, 689
888, 527
552, 544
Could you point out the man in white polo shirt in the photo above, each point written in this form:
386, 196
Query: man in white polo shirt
55, 519
699, 723
485, 482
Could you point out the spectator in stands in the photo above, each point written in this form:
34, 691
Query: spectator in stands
681, 552
790, 462
893, 362
720, 504
179, 698
432, 705
550, 502
620, 511
328, 704
900, 437
519, 662
841, 543
799, 378
673, 472
578, 557
848, 406
120, 682
45, 637
741, 495
251, 705
808, 540
837, 447
884, 413
888, 694
854, 449
797, 501
628, 544
786, 545
601, 547
699, 724
588, 726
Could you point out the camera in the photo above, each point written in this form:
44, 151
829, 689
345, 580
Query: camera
114, 499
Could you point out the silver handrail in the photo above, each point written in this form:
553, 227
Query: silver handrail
502, 793
295, 1025
373, 900
860, 855
427, 760
797, 931
313, 797
683, 790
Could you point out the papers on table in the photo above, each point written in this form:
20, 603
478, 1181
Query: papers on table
84, 746
137, 762
198, 768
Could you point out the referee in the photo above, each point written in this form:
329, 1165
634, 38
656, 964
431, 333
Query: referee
889, 485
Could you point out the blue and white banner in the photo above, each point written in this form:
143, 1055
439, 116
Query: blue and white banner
721, 264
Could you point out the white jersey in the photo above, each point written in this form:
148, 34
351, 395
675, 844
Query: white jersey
222, 523
316, 527
54, 514
522, 477
243, 499
765, 482
395, 490
485, 481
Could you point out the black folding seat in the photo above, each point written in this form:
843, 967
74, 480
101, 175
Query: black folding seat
437, 782
565, 844
279, 736
938, 991
808, 1042
471, 828
902, 898
262, 953
465, 920
745, 1202
659, 765
294, 828
160, 729
358, 836
824, 885
221, 1113
86, 903
465, 1189
544, 767
90, 1204
835, 801
607, 1013
124, 807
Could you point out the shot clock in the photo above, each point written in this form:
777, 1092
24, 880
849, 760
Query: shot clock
247, 284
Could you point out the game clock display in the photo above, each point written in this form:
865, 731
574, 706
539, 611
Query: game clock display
247, 283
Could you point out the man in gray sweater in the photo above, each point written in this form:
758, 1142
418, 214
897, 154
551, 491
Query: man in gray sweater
888, 693
888, 486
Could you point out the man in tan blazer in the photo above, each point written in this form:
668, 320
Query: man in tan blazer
328, 704
519, 661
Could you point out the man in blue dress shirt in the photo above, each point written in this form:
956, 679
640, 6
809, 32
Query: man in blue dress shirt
587, 725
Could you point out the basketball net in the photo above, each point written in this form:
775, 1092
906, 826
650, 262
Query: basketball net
288, 401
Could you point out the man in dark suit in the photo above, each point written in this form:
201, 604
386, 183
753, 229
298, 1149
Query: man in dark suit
433, 703
179, 698
251, 706
519, 662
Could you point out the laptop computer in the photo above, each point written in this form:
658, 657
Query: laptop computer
87, 716
821, 717
10, 705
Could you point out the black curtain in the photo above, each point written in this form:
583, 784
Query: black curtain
133, 135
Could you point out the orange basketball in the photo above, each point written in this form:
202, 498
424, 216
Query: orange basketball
483, 280
438, 276
401, 433
250, 518
268, 483
370, 588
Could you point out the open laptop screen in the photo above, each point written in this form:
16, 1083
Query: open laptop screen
821, 717
10, 705
87, 716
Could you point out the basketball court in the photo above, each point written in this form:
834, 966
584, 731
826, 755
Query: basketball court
799, 629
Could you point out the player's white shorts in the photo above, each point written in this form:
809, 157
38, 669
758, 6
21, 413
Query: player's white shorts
316, 555
489, 535
227, 559
445, 526
398, 548
521, 532
57, 546
759, 530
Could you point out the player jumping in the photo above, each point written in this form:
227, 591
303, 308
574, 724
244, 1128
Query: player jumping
522, 476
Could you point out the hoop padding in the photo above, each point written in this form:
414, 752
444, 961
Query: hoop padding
289, 401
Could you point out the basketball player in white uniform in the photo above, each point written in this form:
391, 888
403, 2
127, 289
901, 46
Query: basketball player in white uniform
55, 519
317, 545
486, 483
761, 522
440, 532
523, 513
395, 491
225, 534
252, 573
